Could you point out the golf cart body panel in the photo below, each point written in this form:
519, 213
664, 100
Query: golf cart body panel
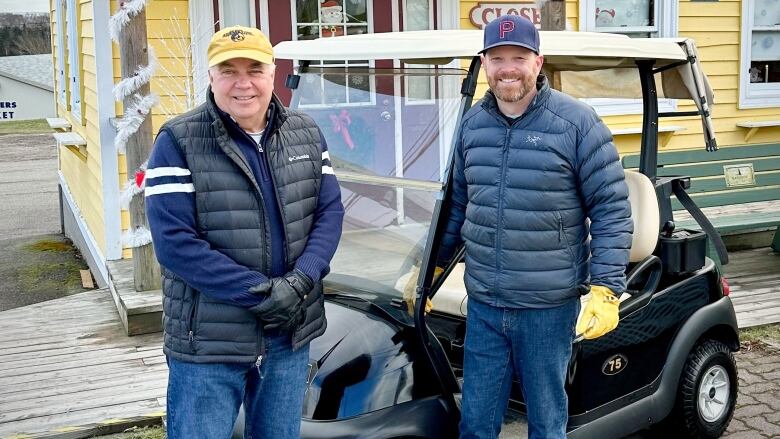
385, 369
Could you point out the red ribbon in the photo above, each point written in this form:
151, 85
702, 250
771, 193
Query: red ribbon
340, 124
139, 178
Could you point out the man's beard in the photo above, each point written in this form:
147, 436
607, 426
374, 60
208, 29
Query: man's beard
512, 92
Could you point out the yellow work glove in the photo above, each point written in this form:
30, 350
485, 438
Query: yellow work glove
600, 315
410, 296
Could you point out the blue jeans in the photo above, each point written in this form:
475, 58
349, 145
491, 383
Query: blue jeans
532, 345
204, 398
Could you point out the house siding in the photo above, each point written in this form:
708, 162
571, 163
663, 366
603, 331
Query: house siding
83, 175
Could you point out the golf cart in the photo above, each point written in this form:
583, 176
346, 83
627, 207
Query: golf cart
390, 106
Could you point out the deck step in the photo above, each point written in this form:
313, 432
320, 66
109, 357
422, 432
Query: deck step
139, 311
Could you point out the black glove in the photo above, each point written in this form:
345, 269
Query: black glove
283, 307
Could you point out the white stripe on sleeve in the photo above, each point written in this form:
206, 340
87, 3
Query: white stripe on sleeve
325, 155
167, 172
169, 189
328, 170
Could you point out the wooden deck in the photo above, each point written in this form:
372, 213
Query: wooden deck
754, 277
68, 370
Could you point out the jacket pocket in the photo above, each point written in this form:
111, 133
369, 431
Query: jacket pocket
563, 239
192, 323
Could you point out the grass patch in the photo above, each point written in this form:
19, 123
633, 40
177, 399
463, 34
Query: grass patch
155, 432
758, 333
49, 246
25, 127
51, 276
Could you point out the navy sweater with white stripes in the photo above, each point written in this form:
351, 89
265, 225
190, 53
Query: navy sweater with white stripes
170, 208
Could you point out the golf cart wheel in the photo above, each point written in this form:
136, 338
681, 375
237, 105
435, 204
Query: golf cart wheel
708, 390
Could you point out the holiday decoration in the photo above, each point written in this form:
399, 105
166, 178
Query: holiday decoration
332, 19
139, 109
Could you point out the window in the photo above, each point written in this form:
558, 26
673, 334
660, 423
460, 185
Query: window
74, 67
637, 19
237, 13
760, 60
418, 15
59, 27
329, 18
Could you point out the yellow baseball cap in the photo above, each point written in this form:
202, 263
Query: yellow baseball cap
240, 42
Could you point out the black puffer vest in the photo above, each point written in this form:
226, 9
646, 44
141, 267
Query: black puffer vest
230, 216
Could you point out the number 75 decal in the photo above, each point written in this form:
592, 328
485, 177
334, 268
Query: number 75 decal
614, 364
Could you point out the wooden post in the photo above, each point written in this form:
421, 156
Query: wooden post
553, 15
133, 53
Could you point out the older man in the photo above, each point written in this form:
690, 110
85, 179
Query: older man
245, 214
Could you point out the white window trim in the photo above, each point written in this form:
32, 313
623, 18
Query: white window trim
753, 95
74, 71
430, 100
59, 23
252, 13
296, 66
667, 24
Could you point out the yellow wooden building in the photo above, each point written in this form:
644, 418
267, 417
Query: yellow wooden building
739, 44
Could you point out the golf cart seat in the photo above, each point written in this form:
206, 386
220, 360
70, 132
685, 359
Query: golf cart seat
451, 298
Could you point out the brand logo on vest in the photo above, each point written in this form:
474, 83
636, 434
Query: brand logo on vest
533, 139
298, 157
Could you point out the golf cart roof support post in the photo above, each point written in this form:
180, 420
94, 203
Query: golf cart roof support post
648, 160
302, 67
439, 364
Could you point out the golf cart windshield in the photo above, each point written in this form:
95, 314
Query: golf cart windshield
389, 133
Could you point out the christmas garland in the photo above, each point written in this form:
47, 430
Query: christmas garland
139, 109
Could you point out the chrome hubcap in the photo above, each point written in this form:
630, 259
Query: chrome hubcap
714, 392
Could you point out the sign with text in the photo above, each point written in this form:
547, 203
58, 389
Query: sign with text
483, 13
739, 175
6, 109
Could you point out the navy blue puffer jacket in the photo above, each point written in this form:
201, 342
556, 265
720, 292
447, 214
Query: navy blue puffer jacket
522, 194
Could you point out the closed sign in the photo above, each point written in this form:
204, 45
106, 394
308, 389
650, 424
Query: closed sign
483, 13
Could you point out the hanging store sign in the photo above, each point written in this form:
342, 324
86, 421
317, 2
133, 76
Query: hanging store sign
483, 13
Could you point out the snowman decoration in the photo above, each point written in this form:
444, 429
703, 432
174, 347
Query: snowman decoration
332, 18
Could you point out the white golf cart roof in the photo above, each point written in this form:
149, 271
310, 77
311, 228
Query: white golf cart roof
580, 64
565, 50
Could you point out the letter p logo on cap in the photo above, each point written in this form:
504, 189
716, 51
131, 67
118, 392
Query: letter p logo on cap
506, 27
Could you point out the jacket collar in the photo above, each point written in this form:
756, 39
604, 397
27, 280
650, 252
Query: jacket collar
490, 103
277, 114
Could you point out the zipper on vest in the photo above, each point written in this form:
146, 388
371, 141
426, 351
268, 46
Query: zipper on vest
262, 157
281, 213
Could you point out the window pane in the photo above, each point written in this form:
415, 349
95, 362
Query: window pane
235, 13
306, 11
334, 90
356, 30
765, 72
308, 32
416, 15
310, 90
331, 30
765, 46
766, 13
356, 11
624, 13
359, 88
331, 12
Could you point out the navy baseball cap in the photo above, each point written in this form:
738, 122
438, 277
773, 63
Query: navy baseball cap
511, 30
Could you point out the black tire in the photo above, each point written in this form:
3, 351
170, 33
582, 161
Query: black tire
709, 368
